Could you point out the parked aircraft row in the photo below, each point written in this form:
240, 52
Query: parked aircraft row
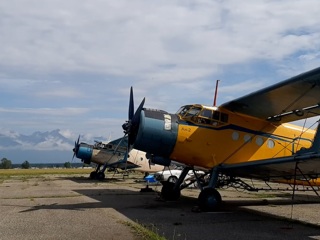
113, 154
249, 137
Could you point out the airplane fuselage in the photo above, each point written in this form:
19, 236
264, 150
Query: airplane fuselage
113, 155
208, 136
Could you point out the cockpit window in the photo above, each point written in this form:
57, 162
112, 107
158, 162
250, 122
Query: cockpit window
182, 111
202, 115
188, 111
193, 112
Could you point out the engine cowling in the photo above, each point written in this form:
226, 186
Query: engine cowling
157, 133
85, 153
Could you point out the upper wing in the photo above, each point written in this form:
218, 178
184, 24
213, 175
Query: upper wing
290, 100
120, 142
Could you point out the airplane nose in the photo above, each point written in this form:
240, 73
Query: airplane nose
85, 152
157, 132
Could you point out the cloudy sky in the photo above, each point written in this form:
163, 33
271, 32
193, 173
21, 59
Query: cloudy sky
69, 64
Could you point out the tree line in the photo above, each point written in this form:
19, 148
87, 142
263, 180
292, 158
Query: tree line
7, 164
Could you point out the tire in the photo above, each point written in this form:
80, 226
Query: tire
172, 179
209, 200
93, 175
168, 193
100, 176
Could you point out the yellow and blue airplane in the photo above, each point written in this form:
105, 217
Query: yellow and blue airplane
249, 137
113, 154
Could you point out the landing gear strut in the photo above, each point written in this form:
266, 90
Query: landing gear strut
97, 174
171, 189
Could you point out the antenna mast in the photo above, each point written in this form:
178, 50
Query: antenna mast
215, 94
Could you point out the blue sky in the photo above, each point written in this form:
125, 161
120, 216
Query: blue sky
69, 64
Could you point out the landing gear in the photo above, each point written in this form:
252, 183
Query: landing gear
169, 192
93, 175
171, 189
98, 174
173, 179
209, 200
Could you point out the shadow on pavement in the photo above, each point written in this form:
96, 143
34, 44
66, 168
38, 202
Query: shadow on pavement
176, 220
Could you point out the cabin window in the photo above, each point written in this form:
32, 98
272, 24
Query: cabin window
259, 141
270, 143
220, 116
235, 136
216, 115
224, 117
206, 113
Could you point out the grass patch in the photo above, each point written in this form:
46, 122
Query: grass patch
7, 173
143, 232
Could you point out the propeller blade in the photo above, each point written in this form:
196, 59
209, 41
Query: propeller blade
136, 117
134, 124
131, 105
131, 125
76, 147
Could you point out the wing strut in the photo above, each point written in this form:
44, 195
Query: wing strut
305, 178
315, 145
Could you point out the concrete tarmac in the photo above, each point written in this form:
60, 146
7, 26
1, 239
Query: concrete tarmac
75, 207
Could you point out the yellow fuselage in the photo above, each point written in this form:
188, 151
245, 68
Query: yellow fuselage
242, 139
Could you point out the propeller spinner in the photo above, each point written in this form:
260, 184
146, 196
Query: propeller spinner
131, 126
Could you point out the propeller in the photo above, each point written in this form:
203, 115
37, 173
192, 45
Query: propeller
130, 127
76, 147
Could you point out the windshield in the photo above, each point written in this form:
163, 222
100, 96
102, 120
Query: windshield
202, 115
188, 111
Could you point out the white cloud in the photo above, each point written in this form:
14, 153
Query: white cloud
132, 37
64, 93
69, 64
46, 111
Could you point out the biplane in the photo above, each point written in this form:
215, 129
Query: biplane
251, 137
113, 155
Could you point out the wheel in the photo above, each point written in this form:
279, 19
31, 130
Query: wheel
93, 175
100, 176
209, 200
168, 192
172, 179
